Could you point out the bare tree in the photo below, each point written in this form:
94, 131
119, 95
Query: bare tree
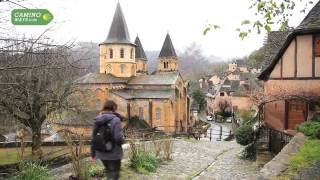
36, 79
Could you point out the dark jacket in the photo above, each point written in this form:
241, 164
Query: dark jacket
117, 152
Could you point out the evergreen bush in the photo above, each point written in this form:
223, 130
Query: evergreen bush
244, 135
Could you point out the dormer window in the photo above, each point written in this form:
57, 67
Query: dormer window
110, 53
121, 53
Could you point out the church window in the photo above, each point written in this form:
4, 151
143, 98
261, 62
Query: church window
109, 69
141, 116
131, 53
122, 68
110, 53
121, 53
158, 113
317, 45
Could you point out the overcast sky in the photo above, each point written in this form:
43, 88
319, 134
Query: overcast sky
82, 20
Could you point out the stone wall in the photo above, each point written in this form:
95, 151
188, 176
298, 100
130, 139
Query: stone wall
279, 163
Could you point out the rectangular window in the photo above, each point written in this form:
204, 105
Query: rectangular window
317, 45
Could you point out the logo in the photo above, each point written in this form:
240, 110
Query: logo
31, 17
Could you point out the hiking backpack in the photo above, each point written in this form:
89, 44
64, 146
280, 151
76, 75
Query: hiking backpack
103, 140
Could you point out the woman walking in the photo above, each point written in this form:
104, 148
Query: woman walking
107, 123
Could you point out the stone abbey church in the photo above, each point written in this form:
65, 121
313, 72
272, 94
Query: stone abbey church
160, 98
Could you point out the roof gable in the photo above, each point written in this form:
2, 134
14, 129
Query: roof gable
278, 44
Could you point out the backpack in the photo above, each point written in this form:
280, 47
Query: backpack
103, 140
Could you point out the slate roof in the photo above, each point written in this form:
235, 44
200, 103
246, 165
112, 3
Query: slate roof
118, 32
156, 79
139, 49
275, 41
278, 42
167, 49
312, 20
81, 119
99, 78
144, 94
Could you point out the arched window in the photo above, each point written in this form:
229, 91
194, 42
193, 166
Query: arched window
109, 69
110, 53
158, 113
121, 53
165, 65
131, 53
122, 68
141, 116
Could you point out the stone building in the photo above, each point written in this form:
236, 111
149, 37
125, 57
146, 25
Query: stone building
160, 98
292, 70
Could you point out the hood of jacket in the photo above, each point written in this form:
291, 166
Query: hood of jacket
103, 118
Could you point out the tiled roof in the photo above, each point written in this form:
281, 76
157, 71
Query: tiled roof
312, 20
118, 31
99, 78
168, 78
144, 94
167, 49
139, 49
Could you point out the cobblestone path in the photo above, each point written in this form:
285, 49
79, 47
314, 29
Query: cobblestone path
203, 160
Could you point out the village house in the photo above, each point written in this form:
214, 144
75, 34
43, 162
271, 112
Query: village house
231, 93
159, 99
292, 75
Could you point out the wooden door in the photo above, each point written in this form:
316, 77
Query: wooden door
297, 113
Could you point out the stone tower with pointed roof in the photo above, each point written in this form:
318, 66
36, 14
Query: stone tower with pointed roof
117, 52
141, 58
168, 60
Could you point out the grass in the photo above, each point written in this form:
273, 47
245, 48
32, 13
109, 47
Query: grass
145, 162
307, 155
10, 155
33, 171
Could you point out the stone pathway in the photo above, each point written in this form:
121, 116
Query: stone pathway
194, 160
228, 166
203, 160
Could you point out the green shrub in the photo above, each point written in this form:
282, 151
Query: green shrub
95, 170
310, 128
145, 162
33, 171
244, 135
309, 153
249, 152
